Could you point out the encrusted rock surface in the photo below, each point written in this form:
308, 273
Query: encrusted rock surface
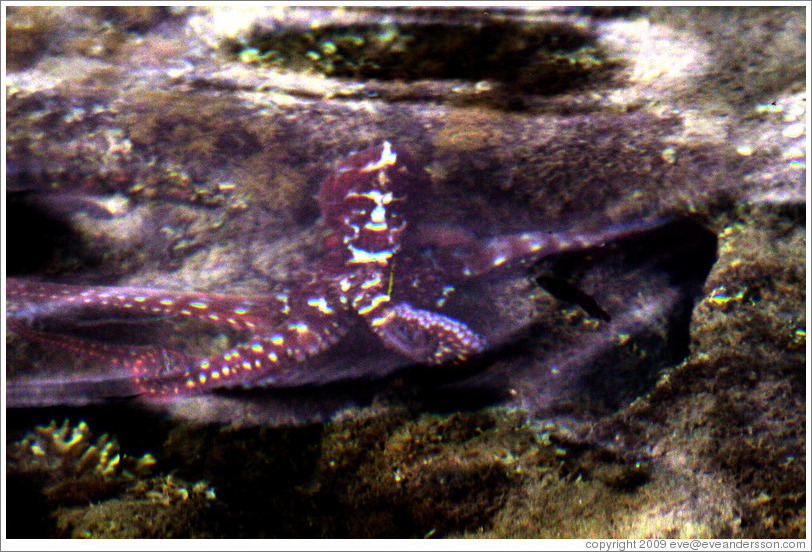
182, 147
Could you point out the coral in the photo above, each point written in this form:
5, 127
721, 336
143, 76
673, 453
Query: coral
162, 507
78, 486
69, 461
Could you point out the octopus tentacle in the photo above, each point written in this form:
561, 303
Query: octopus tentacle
467, 257
155, 364
424, 336
264, 357
241, 313
269, 350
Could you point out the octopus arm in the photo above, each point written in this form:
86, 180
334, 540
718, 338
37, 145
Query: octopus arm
273, 358
303, 325
425, 337
460, 256
90, 304
116, 371
158, 371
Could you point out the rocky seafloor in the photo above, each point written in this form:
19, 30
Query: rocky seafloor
181, 148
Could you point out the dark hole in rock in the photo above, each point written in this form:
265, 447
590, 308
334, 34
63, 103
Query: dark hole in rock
578, 375
542, 58
40, 237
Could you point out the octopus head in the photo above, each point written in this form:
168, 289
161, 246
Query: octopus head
365, 201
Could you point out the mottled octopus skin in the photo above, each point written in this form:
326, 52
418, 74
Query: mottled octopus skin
369, 202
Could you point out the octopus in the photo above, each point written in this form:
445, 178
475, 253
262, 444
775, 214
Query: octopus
387, 270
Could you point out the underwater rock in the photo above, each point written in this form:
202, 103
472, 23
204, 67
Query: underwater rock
172, 148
